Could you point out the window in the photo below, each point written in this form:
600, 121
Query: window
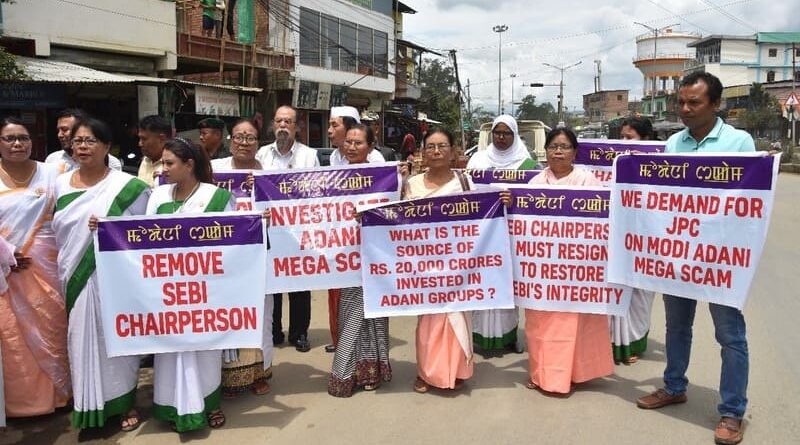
797, 76
797, 52
347, 36
309, 37
330, 42
365, 65
770, 76
381, 50
773, 52
619, 97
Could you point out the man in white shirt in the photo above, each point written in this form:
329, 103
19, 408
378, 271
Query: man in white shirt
63, 159
153, 133
341, 120
287, 153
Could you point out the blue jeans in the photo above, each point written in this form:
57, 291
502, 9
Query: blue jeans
729, 329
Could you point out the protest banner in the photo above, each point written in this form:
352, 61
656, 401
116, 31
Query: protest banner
691, 225
484, 177
559, 250
235, 181
181, 283
314, 238
597, 155
436, 255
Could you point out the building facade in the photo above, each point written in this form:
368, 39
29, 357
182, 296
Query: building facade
603, 106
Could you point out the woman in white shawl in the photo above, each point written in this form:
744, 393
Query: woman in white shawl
187, 385
102, 387
496, 329
444, 341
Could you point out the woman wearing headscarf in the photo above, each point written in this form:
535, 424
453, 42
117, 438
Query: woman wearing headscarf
102, 386
565, 347
496, 329
629, 332
33, 319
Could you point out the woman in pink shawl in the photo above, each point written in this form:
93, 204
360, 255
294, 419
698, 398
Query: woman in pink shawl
565, 347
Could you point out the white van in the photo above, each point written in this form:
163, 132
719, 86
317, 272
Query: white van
532, 133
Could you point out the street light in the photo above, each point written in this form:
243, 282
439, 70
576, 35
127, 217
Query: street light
500, 29
561, 87
655, 58
513, 76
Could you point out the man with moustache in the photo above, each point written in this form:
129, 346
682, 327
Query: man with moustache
341, 120
287, 153
65, 120
211, 138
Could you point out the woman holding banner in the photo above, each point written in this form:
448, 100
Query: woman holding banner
565, 347
444, 341
246, 369
362, 349
187, 385
629, 333
102, 386
33, 321
496, 329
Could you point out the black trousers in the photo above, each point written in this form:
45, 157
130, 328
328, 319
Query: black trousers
231, 8
299, 314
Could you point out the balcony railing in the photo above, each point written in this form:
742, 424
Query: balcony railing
649, 57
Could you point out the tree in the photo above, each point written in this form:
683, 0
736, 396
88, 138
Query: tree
9, 70
762, 113
529, 110
438, 98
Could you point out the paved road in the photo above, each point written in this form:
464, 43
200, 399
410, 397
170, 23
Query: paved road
495, 407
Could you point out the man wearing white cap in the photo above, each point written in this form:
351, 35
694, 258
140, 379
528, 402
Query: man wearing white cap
341, 120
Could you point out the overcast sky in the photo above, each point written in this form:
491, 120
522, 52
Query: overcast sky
565, 31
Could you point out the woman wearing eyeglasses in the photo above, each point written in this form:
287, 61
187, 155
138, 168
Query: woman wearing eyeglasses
187, 385
33, 322
444, 341
496, 329
246, 369
565, 347
102, 386
361, 358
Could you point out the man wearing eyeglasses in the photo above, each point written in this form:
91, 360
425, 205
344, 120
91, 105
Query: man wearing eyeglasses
63, 159
286, 153
211, 138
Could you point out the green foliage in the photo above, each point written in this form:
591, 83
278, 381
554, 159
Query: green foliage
438, 98
9, 70
763, 112
530, 110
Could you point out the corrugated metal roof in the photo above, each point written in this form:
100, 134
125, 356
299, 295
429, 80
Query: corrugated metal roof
55, 71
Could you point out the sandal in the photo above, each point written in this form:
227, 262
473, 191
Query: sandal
421, 386
372, 386
631, 360
531, 385
458, 384
130, 421
261, 387
216, 419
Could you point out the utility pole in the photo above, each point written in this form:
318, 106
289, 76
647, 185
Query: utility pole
500, 29
561, 87
655, 59
459, 99
597, 86
794, 81
513, 76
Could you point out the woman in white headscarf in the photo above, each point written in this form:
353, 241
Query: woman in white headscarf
507, 150
496, 329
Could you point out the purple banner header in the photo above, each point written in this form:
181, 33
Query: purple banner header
573, 203
601, 152
462, 207
189, 231
326, 182
234, 182
696, 170
500, 176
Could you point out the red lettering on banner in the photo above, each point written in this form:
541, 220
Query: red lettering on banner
306, 265
348, 261
653, 267
475, 262
707, 276
185, 292
517, 227
582, 252
455, 295
667, 247
312, 213
527, 290
196, 321
470, 230
722, 255
583, 294
409, 234
160, 265
569, 229
631, 198
743, 207
602, 176
424, 250
683, 203
402, 300
681, 224
334, 237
